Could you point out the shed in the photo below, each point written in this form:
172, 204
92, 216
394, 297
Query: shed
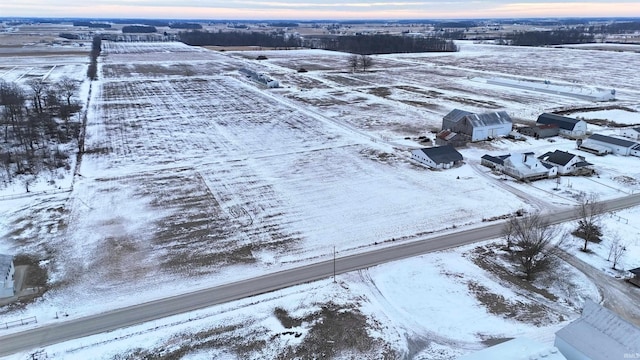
6, 276
614, 145
635, 279
632, 133
567, 126
567, 163
437, 157
541, 131
598, 334
447, 137
478, 126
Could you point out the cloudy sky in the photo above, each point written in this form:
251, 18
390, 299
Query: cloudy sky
316, 9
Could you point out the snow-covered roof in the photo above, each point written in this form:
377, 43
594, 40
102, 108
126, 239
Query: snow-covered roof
563, 122
601, 334
516, 349
488, 119
442, 154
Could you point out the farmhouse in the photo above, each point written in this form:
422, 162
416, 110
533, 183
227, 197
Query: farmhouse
437, 157
541, 131
567, 163
602, 144
521, 166
598, 334
518, 348
478, 126
632, 133
6, 276
567, 126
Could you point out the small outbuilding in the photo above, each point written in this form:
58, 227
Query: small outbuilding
6, 276
437, 157
567, 163
599, 334
569, 127
447, 137
602, 144
631, 133
635, 277
478, 126
540, 131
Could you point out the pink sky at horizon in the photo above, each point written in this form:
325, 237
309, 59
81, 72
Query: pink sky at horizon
315, 9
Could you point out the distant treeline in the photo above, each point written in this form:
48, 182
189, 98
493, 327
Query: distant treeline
137, 29
92, 24
188, 26
616, 28
555, 37
387, 44
237, 38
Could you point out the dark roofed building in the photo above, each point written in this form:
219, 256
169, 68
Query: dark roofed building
437, 157
447, 137
635, 279
540, 131
610, 144
567, 126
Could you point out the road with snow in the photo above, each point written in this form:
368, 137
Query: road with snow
120, 318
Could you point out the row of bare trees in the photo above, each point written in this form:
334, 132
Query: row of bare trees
36, 117
532, 241
360, 62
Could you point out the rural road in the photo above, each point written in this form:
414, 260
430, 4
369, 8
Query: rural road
120, 318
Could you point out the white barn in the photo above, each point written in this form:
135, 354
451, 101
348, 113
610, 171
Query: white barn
437, 157
602, 144
478, 126
568, 127
598, 334
566, 162
6, 276
631, 133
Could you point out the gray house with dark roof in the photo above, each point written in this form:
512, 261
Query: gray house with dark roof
598, 334
635, 279
6, 276
567, 126
437, 157
478, 126
602, 144
567, 163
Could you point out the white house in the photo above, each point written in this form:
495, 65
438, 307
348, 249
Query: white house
437, 157
517, 349
521, 166
478, 126
566, 163
568, 127
6, 276
632, 133
602, 144
598, 334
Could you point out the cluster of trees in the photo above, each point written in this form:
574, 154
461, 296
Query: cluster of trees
35, 120
556, 37
96, 49
360, 61
138, 29
237, 38
616, 28
91, 24
184, 25
387, 44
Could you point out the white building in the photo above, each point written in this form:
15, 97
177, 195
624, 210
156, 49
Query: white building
598, 334
602, 144
478, 126
6, 276
569, 127
631, 133
437, 157
521, 166
517, 349
566, 163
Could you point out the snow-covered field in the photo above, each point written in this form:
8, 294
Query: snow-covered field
195, 176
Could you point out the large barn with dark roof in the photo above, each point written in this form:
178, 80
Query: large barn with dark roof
568, 127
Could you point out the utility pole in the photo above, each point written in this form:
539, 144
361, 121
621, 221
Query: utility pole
334, 263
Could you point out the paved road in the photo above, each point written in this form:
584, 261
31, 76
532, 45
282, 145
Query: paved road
120, 318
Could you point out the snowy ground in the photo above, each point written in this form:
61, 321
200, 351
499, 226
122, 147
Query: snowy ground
195, 176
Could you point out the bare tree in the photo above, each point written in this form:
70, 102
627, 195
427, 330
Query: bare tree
354, 61
590, 211
365, 61
616, 250
533, 242
39, 89
68, 87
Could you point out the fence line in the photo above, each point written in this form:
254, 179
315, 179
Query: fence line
25, 321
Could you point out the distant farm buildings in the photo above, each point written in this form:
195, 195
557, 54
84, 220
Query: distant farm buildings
631, 133
6, 276
437, 157
569, 127
602, 145
571, 90
473, 127
260, 78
